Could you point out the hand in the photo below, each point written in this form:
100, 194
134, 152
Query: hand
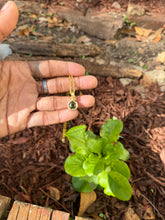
20, 104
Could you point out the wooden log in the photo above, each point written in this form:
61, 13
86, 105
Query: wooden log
116, 71
4, 204
42, 48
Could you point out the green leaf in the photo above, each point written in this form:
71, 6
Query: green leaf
120, 186
93, 142
120, 167
90, 164
104, 182
111, 129
116, 185
74, 165
115, 151
99, 167
85, 184
76, 136
124, 154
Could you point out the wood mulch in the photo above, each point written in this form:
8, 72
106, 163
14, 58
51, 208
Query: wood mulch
33, 160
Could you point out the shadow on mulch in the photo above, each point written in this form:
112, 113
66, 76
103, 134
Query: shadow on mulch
33, 160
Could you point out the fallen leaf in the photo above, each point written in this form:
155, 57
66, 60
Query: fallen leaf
54, 192
52, 21
33, 16
162, 156
143, 32
42, 19
24, 32
161, 57
31, 29
23, 27
131, 215
156, 36
46, 38
37, 34
83, 39
149, 214
43, 5
86, 200
111, 42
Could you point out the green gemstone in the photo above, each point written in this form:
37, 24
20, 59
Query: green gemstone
72, 105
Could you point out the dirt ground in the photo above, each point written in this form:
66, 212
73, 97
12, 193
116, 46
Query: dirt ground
33, 160
106, 5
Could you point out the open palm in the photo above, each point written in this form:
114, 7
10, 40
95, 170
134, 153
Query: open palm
22, 102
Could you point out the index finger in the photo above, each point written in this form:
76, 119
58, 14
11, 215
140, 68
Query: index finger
55, 68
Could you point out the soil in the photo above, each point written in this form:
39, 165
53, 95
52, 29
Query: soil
107, 5
33, 160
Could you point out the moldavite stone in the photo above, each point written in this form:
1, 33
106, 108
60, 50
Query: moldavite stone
72, 105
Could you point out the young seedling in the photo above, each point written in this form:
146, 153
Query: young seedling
128, 21
98, 161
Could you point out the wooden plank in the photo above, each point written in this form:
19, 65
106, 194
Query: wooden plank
23, 211
4, 204
59, 215
38, 213
33, 211
46, 214
14, 211
81, 218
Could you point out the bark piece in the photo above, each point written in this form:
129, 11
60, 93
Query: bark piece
39, 48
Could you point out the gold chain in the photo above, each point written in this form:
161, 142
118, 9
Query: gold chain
72, 104
71, 87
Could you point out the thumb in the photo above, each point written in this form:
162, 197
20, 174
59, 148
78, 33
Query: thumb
8, 19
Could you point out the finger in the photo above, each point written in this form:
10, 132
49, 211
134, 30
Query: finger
44, 118
53, 68
61, 84
8, 19
53, 103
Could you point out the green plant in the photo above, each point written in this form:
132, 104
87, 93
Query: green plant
130, 60
131, 24
102, 215
98, 161
145, 66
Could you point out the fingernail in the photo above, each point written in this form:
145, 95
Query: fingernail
6, 6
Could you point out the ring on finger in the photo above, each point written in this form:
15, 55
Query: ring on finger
45, 88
